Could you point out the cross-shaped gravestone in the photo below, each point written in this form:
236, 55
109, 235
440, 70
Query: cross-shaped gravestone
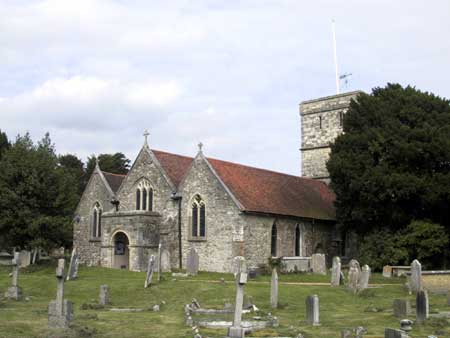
150, 268
60, 311
274, 289
237, 331
14, 291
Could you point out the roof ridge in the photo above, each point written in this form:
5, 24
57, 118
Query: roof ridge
166, 152
107, 172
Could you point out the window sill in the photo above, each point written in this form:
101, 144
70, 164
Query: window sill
95, 239
197, 239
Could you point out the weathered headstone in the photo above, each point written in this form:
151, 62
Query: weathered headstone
401, 307
25, 258
236, 330
353, 278
387, 271
318, 264
312, 310
103, 296
236, 264
421, 306
14, 291
336, 271
73, 265
355, 264
274, 289
416, 276
60, 311
150, 270
165, 260
159, 262
192, 262
364, 277
393, 333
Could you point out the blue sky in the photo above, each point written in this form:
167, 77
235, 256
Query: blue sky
231, 74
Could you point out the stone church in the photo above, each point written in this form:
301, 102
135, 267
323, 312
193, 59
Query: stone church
220, 208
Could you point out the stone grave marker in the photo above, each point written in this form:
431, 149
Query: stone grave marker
150, 269
393, 333
312, 310
25, 258
192, 262
448, 297
336, 271
274, 289
73, 265
364, 277
159, 262
422, 308
416, 276
236, 264
60, 311
14, 291
103, 296
165, 261
318, 264
401, 307
353, 278
236, 330
387, 271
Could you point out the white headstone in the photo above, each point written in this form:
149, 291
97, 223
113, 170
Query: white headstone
73, 265
336, 272
364, 278
25, 258
353, 278
318, 264
312, 310
416, 276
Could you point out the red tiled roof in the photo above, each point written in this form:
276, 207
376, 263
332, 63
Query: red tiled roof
260, 190
176, 166
114, 180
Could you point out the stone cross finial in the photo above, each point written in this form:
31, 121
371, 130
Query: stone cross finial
200, 147
146, 135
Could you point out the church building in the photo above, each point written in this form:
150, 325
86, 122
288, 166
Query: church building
220, 208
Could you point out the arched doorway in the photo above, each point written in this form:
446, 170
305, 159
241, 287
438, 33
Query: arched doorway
121, 255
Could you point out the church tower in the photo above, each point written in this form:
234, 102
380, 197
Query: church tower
321, 123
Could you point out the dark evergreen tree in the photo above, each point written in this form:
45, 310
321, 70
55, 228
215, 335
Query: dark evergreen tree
392, 163
114, 163
4, 143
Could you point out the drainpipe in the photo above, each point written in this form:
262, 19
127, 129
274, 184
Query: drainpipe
176, 197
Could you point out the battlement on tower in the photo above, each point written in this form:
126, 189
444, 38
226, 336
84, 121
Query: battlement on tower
321, 123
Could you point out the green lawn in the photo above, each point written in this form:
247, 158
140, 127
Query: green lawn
338, 308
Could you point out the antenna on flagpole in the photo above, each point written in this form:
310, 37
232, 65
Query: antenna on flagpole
335, 57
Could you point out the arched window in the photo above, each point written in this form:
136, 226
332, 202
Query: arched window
198, 217
96, 221
144, 196
298, 241
273, 242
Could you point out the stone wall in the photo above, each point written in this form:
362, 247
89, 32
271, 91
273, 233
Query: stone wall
320, 125
87, 246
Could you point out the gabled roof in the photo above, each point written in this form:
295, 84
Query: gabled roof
114, 180
260, 190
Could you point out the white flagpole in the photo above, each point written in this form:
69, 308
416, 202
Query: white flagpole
335, 59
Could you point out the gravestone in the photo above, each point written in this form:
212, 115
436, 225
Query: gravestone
103, 296
60, 311
355, 264
401, 308
73, 266
448, 297
312, 310
421, 306
159, 262
364, 277
336, 272
274, 289
236, 264
14, 291
353, 278
387, 271
393, 333
416, 276
165, 261
25, 258
150, 269
192, 262
236, 330
318, 264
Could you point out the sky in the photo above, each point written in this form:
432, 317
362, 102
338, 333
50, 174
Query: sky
95, 74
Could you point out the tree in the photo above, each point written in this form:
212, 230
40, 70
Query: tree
36, 198
4, 143
114, 163
72, 166
392, 163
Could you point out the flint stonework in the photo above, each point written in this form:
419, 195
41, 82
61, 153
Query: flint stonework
312, 310
336, 272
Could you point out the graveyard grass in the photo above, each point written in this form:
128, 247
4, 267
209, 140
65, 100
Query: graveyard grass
339, 309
